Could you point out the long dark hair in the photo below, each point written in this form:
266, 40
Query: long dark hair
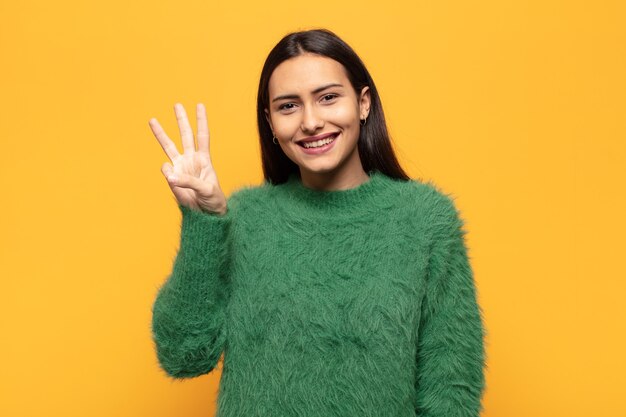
374, 145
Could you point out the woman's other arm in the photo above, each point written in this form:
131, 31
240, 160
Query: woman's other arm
451, 356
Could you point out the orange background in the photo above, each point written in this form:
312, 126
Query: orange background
516, 107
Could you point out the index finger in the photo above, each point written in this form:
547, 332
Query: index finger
166, 143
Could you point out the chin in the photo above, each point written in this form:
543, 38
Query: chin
320, 168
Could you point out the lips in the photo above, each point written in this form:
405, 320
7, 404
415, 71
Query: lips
315, 138
320, 150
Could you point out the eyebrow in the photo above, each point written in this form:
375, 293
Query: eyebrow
317, 90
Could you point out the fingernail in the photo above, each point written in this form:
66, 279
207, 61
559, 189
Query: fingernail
172, 178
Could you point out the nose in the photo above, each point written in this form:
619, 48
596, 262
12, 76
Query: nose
311, 120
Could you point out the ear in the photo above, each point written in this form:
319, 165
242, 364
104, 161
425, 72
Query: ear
365, 102
267, 117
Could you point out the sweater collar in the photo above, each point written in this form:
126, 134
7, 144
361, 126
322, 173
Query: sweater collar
365, 197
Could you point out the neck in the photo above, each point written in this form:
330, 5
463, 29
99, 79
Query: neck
333, 181
366, 199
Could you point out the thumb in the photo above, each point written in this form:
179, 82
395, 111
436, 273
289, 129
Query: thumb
168, 171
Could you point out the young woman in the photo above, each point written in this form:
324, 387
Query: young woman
339, 286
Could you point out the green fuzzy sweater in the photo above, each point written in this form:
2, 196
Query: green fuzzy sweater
349, 303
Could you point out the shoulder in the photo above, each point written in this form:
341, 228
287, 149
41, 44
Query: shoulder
441, 201
438, 209
249, 195
428, 196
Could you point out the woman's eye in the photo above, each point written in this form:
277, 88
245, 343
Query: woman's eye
289, 106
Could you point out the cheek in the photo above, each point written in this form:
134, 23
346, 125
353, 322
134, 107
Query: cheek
344, 116
286, 126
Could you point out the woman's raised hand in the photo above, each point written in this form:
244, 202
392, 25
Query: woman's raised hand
191, 176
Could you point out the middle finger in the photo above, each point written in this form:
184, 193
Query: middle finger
185, 129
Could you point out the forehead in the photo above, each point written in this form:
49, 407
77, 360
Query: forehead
304, 73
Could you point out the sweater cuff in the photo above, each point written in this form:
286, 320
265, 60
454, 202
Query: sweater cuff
201, 231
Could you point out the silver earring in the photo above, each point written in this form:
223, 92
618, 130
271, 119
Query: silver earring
364, 121
274, 140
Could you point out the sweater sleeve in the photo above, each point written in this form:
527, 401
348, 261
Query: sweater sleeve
451, 357
189, 309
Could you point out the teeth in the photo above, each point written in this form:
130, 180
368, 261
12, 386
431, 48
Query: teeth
318, 143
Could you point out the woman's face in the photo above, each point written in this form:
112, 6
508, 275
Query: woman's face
310, 95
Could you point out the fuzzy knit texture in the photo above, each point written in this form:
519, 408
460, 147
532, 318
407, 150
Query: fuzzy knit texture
347, 303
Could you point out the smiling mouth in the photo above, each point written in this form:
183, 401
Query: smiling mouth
318, 143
